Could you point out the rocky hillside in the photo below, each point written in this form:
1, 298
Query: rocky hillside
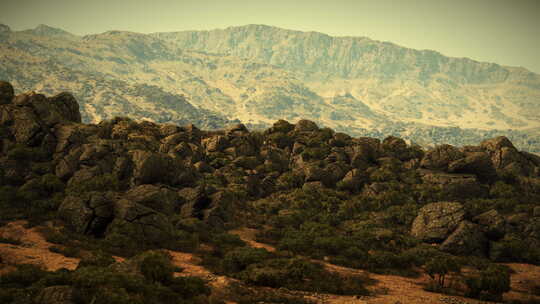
259, 74
410, 85
122, 187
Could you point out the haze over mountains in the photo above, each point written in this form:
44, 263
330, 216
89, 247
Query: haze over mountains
258, 74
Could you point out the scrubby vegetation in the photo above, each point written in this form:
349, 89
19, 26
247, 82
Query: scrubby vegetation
126, 188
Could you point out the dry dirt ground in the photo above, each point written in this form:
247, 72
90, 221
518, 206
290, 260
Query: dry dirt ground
34, 249
387, 289
390, 289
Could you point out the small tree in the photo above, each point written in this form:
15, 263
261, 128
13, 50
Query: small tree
439, 267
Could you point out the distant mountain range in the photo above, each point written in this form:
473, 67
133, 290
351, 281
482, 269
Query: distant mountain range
258, 74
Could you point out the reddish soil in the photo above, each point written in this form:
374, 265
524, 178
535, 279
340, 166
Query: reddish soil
34, 249
390, 289
387, 289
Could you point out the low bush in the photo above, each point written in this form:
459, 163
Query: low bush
490, 283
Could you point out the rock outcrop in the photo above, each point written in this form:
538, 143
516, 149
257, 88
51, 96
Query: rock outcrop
141, 179
436, 221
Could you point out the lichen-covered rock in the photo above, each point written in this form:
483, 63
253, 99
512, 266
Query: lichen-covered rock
6, 92
89, 213
467, 240
440, 157
436, 221
25, 126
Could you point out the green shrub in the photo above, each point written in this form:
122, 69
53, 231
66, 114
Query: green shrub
513, 249
490, 283
70, 252
24, 276
240, 258
300, 274
439, 267
157, 267
289, 180
24, 153
189, 287
97, 258
501, 189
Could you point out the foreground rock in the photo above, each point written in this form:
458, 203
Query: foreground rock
436, 221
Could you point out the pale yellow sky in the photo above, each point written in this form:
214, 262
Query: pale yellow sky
502, 31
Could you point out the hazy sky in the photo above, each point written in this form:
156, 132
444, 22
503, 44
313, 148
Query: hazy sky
502, 31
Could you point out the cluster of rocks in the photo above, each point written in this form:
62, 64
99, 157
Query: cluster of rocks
165, 170
445, 224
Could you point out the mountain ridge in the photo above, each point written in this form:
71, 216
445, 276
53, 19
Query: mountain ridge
389, 89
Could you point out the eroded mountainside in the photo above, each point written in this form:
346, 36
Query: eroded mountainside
260, 74
107, 193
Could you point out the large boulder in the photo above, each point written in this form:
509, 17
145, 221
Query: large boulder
89, 213
454, 186
436, 221
395, 147
494, 144
507, 158
61, 108
24, 125
69, 164
478, 163
440, 157
467, 239
353, 180
151, 168
140, 223
214, 209
171, 141
68, 136
305, 125
6, 92
161, 199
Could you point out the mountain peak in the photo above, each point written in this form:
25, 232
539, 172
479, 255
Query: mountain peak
4, 28
45, 30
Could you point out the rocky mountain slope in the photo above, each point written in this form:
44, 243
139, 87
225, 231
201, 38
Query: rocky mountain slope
123, 187
258, 74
